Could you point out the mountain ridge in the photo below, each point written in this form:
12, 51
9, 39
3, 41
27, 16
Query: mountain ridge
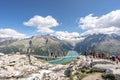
45, 44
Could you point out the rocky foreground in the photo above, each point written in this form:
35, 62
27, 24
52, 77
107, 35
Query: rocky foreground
17, 67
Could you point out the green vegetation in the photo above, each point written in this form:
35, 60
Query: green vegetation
79, 76
65, 63
84, 72
8, 50
43, 61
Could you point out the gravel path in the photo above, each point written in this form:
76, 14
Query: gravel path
95, 76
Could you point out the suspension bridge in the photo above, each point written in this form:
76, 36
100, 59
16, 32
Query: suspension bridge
71, 55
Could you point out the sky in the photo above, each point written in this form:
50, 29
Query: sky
66, 19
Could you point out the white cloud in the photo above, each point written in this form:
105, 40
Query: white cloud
107, 24
109, 30
43, 24
64, 35
7, 32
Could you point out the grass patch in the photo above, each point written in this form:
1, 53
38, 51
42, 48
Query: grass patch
81, 76
43, 61
65, 63
71, 78
77, 73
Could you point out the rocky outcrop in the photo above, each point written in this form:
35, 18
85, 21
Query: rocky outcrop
77, 65
115, 72
55, 76
87, 65
101, 61
16, 66
109, 67
103, 67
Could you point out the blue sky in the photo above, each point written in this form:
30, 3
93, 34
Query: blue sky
66, 13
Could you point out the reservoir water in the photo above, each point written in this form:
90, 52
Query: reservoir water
71, 55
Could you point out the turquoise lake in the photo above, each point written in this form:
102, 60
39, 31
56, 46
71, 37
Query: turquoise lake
71, 55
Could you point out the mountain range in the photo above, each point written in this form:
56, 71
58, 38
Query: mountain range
41, 45
45, 44
106, 43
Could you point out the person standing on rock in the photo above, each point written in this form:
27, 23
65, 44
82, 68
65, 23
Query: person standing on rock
94, 54
97, 55
86, 54
90, 54
100, 55
29, 50
117, 56
113, 57
110, 57
107, 56
30, 43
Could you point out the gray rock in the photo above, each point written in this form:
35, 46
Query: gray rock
102, 61
103, 67
67, 72
115, 72
14, 65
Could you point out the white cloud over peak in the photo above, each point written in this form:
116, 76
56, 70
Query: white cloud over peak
43, 24
108, 23
7, 32
109, 30
64, 35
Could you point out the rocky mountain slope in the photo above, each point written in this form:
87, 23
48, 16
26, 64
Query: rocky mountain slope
100, 42
42, 45
46, 44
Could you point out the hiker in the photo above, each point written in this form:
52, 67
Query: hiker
94, 54
30, 43
117, 56
113, 57
55, 56
107, 56
52, 54
85, 54
110, 58
100, 55
117, 61
90, 54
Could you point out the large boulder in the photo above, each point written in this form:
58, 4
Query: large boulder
55, 76
2, 54
115, 72
103, 67
14, 66
76, 66
101, 61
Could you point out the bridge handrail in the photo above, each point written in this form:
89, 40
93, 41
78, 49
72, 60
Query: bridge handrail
52, 57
